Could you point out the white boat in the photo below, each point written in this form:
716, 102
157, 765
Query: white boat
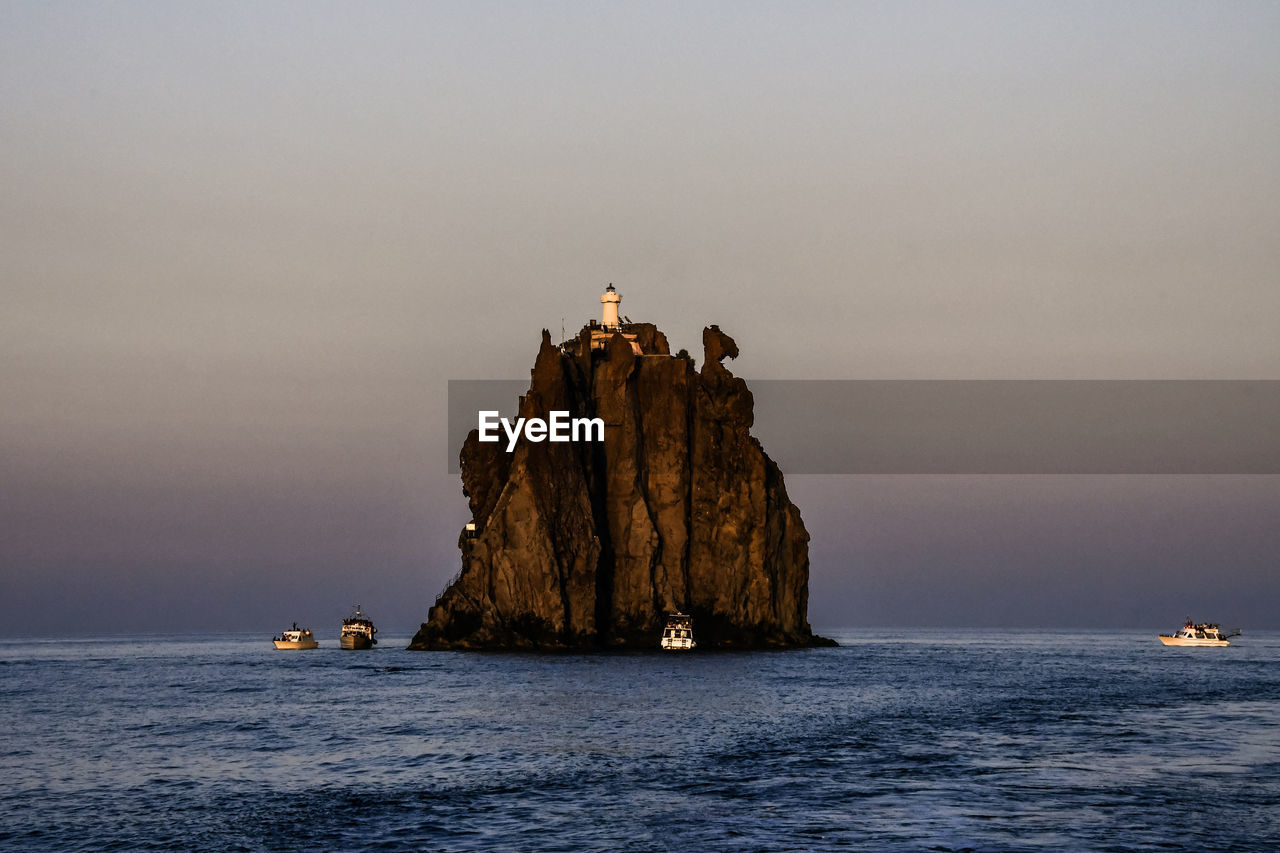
296, 638
1197, 634
357, 631
678, 633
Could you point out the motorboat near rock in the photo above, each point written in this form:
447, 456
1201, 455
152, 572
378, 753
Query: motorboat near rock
358, 631
296, 638
1198, 634
677, 635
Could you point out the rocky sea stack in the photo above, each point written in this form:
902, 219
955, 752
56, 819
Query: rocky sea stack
590, 544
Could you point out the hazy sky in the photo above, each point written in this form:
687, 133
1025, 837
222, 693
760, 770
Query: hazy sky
244, 246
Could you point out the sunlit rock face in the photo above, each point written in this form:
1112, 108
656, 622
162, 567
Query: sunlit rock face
591, 544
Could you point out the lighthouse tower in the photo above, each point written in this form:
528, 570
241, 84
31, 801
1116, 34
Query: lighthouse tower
609, 326
610, 299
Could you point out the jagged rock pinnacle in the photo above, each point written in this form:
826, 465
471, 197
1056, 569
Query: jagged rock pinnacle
586, 545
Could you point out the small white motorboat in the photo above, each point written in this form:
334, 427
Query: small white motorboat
678, 633
296, 638
1198, 634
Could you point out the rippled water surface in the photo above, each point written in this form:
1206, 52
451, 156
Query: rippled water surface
894, 741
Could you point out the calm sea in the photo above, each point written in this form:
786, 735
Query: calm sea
897, 740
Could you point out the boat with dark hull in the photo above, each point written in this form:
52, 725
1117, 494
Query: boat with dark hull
357, 631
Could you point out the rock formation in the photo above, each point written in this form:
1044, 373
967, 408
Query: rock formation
590, 544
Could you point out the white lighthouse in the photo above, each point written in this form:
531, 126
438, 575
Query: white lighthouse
610, 299
609, 326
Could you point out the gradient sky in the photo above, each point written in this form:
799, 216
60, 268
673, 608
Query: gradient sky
244, 246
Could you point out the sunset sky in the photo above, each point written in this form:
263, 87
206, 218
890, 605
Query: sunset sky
245, 246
